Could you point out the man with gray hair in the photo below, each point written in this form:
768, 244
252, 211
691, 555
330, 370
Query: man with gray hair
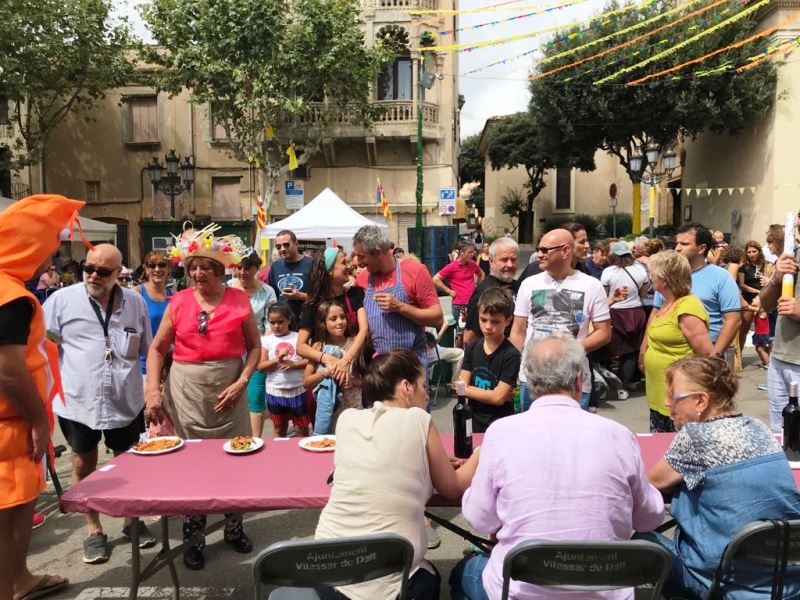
530, 485
400, 298
503, 264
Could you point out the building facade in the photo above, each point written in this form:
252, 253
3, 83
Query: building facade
14, 180
102, 156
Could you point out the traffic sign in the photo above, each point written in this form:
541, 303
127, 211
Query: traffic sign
295, 194
447, 201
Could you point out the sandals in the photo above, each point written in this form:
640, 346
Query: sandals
45, 585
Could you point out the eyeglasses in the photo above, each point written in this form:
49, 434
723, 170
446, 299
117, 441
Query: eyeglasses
202, 322
160, 265
286, 245
101, 271
51, 269
676, 397
546, 250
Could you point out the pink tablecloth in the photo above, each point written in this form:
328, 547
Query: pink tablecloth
202, 478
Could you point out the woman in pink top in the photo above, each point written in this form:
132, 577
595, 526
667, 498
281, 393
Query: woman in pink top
212, 326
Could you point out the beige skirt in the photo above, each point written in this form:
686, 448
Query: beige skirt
192, 391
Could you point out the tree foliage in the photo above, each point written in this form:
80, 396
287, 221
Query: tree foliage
471, 164
57, 56
576, 113
512, 204
288, 66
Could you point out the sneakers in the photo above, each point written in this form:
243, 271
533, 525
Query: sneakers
146, 538
38, 520
434, 541
193, 558
622, 395
236, 537
762, 387
95, 549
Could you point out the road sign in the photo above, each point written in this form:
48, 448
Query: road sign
295, 194
447, 201
612, 203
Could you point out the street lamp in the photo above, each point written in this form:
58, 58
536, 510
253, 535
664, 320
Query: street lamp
669, 162
427, 76
173, 177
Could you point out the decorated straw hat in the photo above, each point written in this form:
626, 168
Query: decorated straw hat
202, 243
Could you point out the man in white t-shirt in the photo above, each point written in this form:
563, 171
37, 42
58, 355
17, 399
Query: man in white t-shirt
560, 299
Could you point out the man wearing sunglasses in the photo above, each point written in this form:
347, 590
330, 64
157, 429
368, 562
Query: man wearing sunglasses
289, 275
103, 330
560, 298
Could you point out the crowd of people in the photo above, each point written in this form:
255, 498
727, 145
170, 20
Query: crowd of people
346, 344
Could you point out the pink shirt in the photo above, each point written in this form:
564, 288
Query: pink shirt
461, 278
557, 472
224, 337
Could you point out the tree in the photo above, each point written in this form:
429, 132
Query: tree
274, 72
517, 141
512, 204
57, 56
471, 164
574, 112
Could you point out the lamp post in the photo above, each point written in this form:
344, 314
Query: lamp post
426, 78
173, 177
650, 153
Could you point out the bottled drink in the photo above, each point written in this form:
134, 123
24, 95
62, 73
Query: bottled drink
462, 318
462, 423
791, 424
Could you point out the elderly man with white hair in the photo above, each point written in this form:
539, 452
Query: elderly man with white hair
532, 481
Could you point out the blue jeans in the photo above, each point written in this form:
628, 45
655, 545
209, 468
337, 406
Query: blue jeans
466, 579
526, 400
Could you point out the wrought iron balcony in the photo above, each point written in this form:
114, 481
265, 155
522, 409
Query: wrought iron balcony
400, 4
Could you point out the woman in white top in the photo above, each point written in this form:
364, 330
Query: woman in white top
625, 281
388, 460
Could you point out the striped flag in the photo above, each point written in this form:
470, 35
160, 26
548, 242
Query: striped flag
381, 199
261, 213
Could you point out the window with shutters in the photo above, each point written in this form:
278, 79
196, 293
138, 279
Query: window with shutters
563, 189
143, 120
226, 201
4, 111
92, 191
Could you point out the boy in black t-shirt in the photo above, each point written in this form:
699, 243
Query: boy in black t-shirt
491, 363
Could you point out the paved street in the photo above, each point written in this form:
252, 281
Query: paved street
56, 546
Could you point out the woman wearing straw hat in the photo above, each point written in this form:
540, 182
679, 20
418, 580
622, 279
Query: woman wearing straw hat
212, 326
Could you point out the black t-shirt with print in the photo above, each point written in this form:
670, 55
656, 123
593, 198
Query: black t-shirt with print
486, 372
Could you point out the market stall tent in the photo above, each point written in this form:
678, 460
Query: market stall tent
326, 216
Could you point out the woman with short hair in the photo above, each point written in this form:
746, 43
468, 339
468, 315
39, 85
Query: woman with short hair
374, 491
157, 268
722, 471
212, 326
677, 329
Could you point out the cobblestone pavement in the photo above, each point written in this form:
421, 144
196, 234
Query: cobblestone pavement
56, 547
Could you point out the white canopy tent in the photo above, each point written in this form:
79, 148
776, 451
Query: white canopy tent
95, 231
326, 217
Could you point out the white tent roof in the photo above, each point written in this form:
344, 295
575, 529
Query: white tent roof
326, 216
92, 229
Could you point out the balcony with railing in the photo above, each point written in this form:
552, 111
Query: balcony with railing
403, 5
394, 119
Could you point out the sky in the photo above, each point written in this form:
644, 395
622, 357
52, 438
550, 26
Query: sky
495, 91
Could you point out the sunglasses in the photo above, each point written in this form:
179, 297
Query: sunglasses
160, 265
202, 322
101, 271
286, 245
548, 250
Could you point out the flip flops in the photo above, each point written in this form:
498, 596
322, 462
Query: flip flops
46, 585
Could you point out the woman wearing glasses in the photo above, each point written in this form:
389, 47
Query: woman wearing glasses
212, 326
154, 290
722, 471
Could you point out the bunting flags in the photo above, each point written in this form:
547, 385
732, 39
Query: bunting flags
446, 32
380, 198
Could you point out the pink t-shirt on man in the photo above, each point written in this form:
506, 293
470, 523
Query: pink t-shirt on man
461, 278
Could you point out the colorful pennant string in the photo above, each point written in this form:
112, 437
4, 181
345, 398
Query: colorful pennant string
786, 46
760, 34
736, 17
629, 42
447, 32
485, 9
472, 45
502, 62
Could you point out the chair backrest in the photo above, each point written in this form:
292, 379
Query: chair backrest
758, 545
589, 566
328, 563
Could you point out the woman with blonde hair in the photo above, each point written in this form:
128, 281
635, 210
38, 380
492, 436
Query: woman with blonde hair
722, 471
678, 328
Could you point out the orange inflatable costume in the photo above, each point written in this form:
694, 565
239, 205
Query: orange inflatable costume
29, 235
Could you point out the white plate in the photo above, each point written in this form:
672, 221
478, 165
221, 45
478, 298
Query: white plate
303, 443
165, 437
257, 443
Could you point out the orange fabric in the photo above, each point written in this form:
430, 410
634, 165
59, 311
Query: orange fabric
29, 236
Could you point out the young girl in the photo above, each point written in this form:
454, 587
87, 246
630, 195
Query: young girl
761, 335
332, 335
285, 389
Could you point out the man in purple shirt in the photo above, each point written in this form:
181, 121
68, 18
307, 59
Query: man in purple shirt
534, 482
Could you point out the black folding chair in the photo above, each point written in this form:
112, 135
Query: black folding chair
588, 566
435, 371
301, 569
759, 547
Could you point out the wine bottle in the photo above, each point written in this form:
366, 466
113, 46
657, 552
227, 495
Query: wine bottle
791, 423
462, 423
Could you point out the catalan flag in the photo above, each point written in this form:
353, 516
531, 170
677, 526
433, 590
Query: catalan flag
261, 212
381, 199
